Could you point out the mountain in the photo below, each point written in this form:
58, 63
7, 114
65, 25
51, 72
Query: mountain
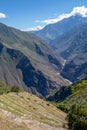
76, 105
73, 100
75, 54
70, 42
53, 31
22, 110
29, 62
73, 94
59, 94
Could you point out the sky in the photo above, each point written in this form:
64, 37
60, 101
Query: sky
35, 14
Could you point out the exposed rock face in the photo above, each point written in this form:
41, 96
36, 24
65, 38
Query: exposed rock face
51, 32
68, 38
1, 47
27, 61
75, 72
19, 70
76, 54
8, 72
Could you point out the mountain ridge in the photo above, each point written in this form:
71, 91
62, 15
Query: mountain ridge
70, 44
51, 31
33, 61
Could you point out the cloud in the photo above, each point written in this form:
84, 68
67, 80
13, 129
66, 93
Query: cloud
76, 10
2, 15
36, 28
82, 11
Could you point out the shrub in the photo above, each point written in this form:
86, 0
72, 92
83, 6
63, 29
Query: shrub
15, 88
77, 120
4, 88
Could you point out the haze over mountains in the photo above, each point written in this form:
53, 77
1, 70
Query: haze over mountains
45, 66
68, 39
56, 30
34, 65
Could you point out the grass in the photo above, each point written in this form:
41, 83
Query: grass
76, 106
29, 107
25, 107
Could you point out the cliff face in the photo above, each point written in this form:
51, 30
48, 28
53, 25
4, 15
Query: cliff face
68, 38
27, 61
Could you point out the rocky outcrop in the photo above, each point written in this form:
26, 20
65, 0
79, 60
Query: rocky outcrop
28, 62
74, 72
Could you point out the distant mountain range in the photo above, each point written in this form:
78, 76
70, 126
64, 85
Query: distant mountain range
34, 65
53, 31
44, 66
68, 38
29, 62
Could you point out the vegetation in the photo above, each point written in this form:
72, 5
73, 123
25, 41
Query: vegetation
78, 87
76, 106
74, 103
78, 117
15, 88
30, 54
4, 89
18, 108
24, 106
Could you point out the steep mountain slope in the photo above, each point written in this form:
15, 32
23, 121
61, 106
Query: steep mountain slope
8, 72
76, 54
53, 31
27, 61
59, 95
19, 111
78, 94
73, 94
76, 106
74, 103
69, 40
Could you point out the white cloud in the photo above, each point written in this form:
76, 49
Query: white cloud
36, 28
82, 11
76, 10
2, 15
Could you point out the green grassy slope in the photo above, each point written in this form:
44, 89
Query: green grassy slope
78, 96
76, 106
73, 100
19, 111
